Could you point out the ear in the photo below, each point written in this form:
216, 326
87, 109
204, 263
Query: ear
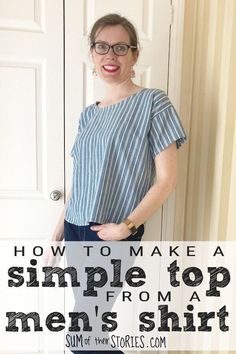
136, 56
91, 53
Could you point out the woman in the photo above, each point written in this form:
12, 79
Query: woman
122, 142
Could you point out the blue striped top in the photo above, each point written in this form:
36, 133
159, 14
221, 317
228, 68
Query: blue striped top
114, 152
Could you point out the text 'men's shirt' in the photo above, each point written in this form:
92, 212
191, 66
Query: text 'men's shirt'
114, 153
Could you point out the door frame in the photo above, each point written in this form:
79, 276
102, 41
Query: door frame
174, 203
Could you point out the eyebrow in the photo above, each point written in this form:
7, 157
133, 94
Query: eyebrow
100, 41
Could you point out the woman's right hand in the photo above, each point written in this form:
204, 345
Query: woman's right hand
58, 235
51, 258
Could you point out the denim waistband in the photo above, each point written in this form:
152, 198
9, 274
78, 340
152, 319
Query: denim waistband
74, 232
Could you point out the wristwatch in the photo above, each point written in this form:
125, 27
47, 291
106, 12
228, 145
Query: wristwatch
131, 226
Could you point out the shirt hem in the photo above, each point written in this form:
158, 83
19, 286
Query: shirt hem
72, 221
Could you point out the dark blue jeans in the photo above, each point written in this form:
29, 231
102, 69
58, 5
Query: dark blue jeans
84, 233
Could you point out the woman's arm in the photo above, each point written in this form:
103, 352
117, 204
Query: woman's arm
166, 173
58, 233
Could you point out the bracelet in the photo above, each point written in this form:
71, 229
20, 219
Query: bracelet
131, 226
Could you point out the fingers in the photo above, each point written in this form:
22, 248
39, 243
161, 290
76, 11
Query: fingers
96, 227
103, 234
99, 229
104, 237
105, 231
102, 227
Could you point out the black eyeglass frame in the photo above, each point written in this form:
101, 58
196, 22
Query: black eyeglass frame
109, 46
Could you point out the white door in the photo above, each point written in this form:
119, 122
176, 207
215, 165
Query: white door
31, 116
152, 19
32, 120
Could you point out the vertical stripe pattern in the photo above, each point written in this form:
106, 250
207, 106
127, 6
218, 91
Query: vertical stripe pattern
114, 153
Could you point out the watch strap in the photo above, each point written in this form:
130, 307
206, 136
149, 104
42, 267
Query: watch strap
131, 226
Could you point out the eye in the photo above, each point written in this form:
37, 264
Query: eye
121, 48
101, 46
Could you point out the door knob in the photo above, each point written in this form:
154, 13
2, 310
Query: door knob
55, 195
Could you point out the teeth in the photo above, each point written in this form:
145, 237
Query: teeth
111, 67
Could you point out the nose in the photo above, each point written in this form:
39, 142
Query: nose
111, 52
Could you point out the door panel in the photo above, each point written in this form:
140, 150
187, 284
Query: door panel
31, 116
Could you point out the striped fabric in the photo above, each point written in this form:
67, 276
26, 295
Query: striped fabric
114, 155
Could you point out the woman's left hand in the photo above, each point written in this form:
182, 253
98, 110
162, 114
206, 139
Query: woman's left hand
112, 231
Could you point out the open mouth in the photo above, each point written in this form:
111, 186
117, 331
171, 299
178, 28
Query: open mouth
111, 68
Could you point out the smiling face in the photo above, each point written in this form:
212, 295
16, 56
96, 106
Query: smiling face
110, 67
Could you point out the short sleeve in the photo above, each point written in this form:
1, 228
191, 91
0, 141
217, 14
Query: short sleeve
79, 128
165, 127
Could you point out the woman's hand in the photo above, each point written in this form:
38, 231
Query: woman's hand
112, 231
49, 259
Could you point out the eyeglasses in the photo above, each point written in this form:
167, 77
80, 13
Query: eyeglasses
103, 48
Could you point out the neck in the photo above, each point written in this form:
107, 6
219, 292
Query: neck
119, 90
